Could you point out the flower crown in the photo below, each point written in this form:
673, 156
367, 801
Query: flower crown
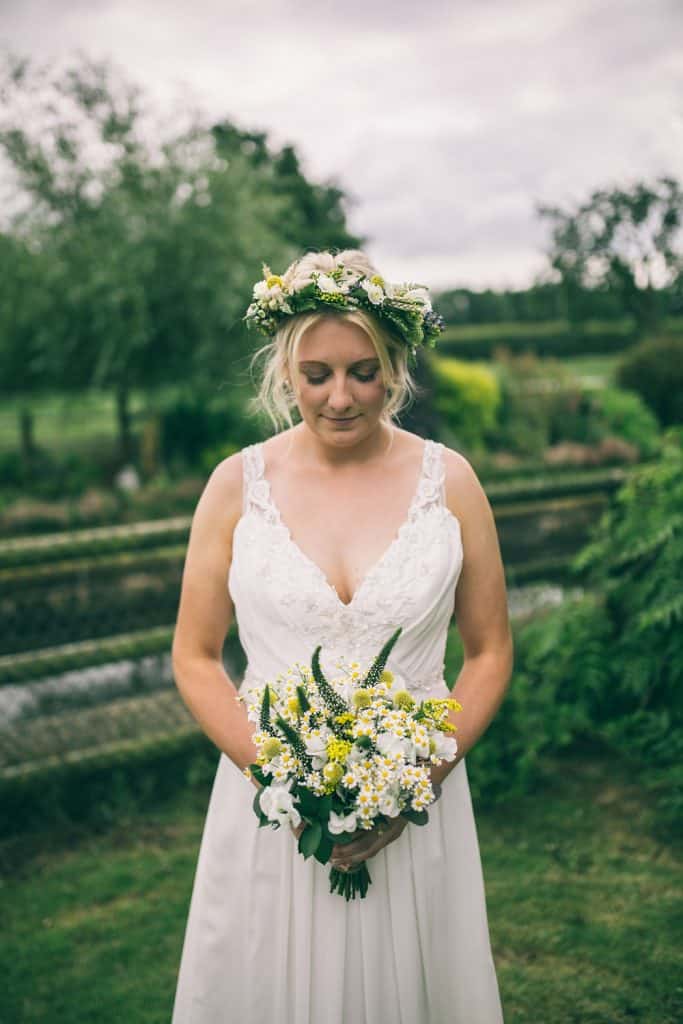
404, 309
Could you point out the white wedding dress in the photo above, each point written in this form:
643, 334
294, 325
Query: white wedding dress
266, 942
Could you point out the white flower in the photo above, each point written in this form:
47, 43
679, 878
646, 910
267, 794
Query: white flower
420, 295
316, 746
327, 284
390, 745
375, 292
277, 803
339, 823
389, 805
445, 747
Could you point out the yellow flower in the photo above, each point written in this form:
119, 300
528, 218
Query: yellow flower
376, 279
293, 705
271, 748
332, 773
274, 280
402, 699
337, 750
361, 699
387, 676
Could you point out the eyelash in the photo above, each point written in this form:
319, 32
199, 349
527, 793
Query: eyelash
364, 378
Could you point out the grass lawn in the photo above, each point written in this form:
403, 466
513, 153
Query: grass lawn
584, 910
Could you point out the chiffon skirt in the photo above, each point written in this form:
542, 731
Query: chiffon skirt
267, 943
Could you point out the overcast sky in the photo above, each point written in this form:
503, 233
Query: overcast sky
443, 122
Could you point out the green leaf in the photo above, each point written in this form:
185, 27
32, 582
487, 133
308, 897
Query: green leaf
309, 803
309, 840
416, 817
324, 850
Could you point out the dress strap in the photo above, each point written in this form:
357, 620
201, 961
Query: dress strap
432, 488
252, 473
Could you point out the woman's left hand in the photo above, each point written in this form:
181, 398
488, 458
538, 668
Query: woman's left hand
367, 843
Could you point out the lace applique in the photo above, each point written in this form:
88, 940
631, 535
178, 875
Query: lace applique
392, 591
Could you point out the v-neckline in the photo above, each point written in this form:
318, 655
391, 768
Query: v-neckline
329, 586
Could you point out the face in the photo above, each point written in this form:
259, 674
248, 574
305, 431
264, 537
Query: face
338, 383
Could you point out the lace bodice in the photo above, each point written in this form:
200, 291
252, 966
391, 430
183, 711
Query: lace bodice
285, 606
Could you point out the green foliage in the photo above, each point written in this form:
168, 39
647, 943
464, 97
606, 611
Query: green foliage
619, 238
529, 400
467, 399
542, 403
655, 371
606, 668
552, 338
135, 272
623, 414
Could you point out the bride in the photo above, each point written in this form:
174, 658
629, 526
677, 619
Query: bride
333, 532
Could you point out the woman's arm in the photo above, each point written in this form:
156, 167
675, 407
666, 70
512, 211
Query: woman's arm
481, 612
205, 613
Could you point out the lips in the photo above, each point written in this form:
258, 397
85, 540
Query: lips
345, 419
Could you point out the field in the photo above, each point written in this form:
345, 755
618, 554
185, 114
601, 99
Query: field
584, 909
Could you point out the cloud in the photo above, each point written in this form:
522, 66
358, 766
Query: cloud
445, 123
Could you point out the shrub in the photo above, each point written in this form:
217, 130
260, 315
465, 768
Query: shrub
655, 371
193, 423
606, 668
467, 398
624, 414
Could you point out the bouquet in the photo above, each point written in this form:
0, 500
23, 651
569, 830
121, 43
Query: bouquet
345, 754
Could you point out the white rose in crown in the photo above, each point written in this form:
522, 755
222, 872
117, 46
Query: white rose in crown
328, 285
420, 295
277, 803
375, 292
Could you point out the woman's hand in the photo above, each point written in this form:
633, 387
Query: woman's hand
298, 829
366, 843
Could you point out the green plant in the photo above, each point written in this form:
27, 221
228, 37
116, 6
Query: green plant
467, 398
624, 414
655, 371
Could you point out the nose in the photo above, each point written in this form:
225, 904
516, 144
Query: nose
340, 398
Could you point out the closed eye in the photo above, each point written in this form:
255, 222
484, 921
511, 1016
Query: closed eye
363, 377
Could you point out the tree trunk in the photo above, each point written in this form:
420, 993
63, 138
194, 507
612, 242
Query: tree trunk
27, 436
123, 418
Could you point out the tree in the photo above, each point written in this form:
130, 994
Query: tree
626, 239
149, 246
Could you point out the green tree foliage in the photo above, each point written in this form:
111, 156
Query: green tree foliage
146, 247
654, 370
624, 239
607, 667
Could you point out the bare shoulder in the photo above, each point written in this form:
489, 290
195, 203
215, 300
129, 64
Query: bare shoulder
221, 499
465, 496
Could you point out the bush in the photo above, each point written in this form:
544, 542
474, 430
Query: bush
624, 414
193, 423
467, 399
529, 390
606, 668
655, 371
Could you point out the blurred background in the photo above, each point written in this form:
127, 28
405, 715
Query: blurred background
524, 161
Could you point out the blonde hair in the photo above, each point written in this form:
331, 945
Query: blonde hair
274, 396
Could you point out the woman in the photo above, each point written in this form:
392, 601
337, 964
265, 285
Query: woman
335, 531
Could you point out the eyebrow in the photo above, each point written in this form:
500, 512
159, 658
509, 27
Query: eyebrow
359, 362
